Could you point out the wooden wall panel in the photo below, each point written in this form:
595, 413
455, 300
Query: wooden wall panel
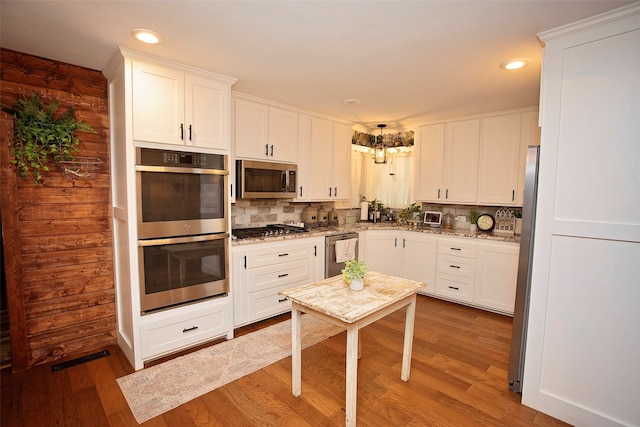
64, 295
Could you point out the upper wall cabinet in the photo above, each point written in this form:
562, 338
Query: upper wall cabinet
264, 132
447, 161
478, 161
174, 106
499, 160
325, 163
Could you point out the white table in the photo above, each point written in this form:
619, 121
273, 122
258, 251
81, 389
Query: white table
332, 300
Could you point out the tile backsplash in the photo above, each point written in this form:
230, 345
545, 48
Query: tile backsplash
247, 213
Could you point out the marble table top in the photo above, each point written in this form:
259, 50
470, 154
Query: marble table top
334, 298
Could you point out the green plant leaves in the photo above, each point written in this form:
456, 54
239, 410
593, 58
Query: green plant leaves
40, 136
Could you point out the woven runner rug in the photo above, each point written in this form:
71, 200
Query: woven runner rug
153, 391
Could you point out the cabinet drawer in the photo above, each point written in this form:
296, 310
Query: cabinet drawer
457, 266
457, 248
260, 257
454, 287
168, 331
268, 303
278, 275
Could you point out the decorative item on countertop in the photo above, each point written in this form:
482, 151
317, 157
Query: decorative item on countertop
505, 221
310, 217
354, 272
323, 220
333, 217
473, 219
411, 212
518, 227
447, 221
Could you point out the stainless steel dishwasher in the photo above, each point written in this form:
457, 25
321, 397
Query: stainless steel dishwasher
331, 267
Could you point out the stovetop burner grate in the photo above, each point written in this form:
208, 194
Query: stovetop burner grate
269, 230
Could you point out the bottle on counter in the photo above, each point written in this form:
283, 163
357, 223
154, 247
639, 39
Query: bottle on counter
447, 221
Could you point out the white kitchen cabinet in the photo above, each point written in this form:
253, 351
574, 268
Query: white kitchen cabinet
447, 162
261, 270
328, 162
496, 275
499, 160
478, 162
429, 163
168, 331
264, 132
174, 106
407, 254
456, 269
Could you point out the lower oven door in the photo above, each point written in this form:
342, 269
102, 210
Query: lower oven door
183, 269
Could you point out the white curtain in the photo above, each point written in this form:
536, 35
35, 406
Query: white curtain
390, 183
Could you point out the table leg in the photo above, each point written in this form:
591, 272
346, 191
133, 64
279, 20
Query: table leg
296, 352
408, 339
351, 375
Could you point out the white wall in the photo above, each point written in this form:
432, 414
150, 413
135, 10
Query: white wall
583, 347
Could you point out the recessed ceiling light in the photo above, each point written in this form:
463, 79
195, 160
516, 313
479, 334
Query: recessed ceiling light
514, 64
146, 36
351, 102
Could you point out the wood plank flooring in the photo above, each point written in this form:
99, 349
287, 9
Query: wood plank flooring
458, 378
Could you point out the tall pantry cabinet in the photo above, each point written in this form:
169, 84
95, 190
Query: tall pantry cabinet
583, 343
160, 104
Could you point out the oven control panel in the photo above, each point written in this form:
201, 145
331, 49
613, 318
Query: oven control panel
179, 159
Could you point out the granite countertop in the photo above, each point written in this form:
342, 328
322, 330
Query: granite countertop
333, 297
362, 226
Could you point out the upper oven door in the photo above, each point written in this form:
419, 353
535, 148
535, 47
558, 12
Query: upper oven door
181, 201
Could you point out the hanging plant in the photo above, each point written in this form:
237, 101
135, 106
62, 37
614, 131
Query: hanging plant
39, 136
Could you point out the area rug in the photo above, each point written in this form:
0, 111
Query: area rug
153, 391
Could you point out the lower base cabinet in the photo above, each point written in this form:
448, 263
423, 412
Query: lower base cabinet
406, 254
262, 270
470, 271
172, 330
496, 275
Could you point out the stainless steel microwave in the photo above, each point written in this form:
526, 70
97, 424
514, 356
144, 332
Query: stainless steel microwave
265, 180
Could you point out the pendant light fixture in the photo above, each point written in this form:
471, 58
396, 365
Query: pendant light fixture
380, 151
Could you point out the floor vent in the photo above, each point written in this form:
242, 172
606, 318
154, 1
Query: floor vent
79, 360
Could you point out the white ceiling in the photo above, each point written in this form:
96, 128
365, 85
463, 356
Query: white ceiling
407, 61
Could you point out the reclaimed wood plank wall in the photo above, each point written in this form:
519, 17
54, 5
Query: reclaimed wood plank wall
60, 286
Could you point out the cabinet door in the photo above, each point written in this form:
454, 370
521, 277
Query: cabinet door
499, 160
382, 252
206, 113
239, 286
283, 135
462, 145
496, 276
341, 162
320, 154
418, 259
304, 157
251, 130
429, 163
158, 104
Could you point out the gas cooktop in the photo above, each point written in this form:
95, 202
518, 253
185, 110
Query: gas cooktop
269, 230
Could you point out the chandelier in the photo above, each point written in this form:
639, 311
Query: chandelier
380, 150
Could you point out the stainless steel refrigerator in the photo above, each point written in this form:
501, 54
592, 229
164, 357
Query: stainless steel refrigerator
523, 287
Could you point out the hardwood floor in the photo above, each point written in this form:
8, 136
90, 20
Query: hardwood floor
458, 378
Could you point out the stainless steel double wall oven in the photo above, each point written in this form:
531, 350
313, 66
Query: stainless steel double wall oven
183, 235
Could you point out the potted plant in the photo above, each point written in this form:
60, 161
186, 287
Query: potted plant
353, 273
410, 212
39, 134
473, 219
